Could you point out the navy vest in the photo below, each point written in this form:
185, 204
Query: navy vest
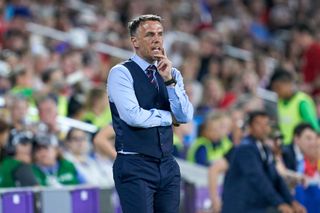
154, 141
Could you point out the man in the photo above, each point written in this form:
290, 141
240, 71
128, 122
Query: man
304, 141
147, 97
294, 107
49, 167
310, 61
15, 170
48, 113
54, 85
252, 183
303, 157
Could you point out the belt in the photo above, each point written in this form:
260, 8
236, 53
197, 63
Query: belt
146, 157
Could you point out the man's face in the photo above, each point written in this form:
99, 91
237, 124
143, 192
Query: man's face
19, 110
260, 128
46, 155
24, 152
148, 40
307, 141
283, 89
213, 130
48, 112
78, 143
301, 39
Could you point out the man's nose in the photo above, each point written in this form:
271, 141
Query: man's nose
157, 39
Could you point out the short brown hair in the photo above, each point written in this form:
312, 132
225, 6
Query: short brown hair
135, 23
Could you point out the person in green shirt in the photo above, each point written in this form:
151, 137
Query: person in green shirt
50, 168
15, 170
294, 106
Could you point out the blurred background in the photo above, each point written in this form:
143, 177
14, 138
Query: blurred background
55, 122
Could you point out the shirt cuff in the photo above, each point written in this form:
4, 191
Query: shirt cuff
166, 118
174, 93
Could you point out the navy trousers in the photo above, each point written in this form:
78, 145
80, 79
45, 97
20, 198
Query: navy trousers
146, 184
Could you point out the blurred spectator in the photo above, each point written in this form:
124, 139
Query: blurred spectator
104, 142
22, 83
48, 114
4, 134
16, 170
105, 153
53, 85
311, 54
236, 126
303, 143
183, 137
78, 152
50, 168
303, 156
18, 106
214, 97
252, 173
76, 104
212, 143
97, 108
294, 106
5, 83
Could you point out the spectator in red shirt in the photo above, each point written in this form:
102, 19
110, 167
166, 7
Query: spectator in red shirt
310, 61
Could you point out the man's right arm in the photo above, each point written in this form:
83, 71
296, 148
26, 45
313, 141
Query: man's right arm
121, 93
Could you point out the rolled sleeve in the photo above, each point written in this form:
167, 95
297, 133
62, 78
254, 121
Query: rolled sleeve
180, 105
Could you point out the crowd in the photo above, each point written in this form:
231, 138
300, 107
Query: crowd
236, 56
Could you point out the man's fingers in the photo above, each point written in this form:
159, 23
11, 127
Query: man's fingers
161, 64
164, 52
159, 56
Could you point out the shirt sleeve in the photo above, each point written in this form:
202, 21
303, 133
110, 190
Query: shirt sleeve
180, 105
121, 92
308, 115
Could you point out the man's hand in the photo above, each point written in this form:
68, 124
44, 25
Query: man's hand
164, 66
216, 205
298, 208
285, 208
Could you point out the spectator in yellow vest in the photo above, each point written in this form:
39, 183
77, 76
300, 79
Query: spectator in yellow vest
97, 110
212, 144
294, 106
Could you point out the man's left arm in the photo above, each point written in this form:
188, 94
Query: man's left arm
180, 105
283, 188
309, 115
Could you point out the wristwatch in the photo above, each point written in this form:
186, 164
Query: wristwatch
171, 81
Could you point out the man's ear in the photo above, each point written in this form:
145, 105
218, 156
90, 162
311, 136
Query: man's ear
135, 42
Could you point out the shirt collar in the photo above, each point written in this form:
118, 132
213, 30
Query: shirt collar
141, 62
49, 170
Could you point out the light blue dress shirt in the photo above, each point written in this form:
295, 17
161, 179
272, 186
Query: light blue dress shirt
121, 92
